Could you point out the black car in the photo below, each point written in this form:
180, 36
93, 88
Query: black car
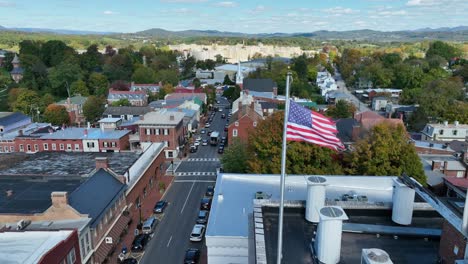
221, 149
159, 207
209, 191
140, 242
209, 132
205, 203
129, 261
223, 116
202, 217
192, 255
193, 149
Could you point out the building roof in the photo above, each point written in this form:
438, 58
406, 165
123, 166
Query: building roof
63, 164
80, 133
369, 119
33, 128
15, 59
10, 118
109, 120
130, 95
459, 182
268, 105
188, 112
259, 85
96, 195
345, 128
30, 196
238, 191
458, 146
29, 246
77, 99
17, 70
434, 177
432, 145
78, 224
126, 110
162, 118
185, 96
106, 134
460, 126
233, 68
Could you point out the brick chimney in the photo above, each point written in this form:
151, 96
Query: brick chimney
356, 132
275, 91
59, 199
436, 165
102, 163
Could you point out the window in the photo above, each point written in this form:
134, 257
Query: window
36, 147
113, 144
6, 149
166, 131
144, 192
77, 146
54, 146
62, 147
90, 144
157, 131
46, 146
148, 131
441, 132
12, 149
69, 147
122, 116
236, 123
170, 154
83, 247
21, 147
71, 257
105, 144
454, 132
234, 132
254, 124
109, 116
88, 244
29, 147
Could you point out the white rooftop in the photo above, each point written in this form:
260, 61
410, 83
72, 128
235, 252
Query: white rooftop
161, 118
28, 246
234, 193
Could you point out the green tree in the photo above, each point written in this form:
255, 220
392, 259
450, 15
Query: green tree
342, 109
118, 67
93, 108
196, 82
188, 65
232, 93
302, 158
30, 47
386, 151
442, 49
98, 84
167, 76
227, 80
122, 102
63, 75
54, 52
79, 87
92, 59
26, 101
144, 75
46, 100
234, 159
300, 66
56, 115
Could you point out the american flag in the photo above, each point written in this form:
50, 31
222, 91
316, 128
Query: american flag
309, 126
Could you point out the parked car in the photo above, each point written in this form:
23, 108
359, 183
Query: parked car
198, 138
159, 207
129, 261
192, 255
209, 190
194, 148
207, 124
149, 225
205, 203
202, 217
226, 128
205, 142
140, 242
198, 232
221, 149
223, 116
203, 131
197, 143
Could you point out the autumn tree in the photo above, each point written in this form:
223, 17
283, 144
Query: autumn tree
56, 115
302, 158
234, 159
93, 108
386, 151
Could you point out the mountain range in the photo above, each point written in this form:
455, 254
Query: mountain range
459, 33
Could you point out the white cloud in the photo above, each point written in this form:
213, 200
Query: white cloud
226, 4
7, 4
392, 13
108, 12
340, 10
183, 1
182, 10
422, 2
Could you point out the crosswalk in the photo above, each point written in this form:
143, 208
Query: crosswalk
195, 173
203, 159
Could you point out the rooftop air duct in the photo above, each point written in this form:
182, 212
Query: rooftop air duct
328, 239
316, 187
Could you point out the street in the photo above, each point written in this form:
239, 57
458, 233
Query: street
362, 107
192, 176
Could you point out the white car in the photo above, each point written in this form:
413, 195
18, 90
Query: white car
198, 232
198, 138
205, 142
196, 143
207, 125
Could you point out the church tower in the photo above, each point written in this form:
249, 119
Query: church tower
17, 72
239, 76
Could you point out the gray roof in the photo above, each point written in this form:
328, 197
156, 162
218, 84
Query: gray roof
78, 224
458, 146
259, 85
126, 110
345, 128
18, 70
268, 105
161, 118
7, 119
62, 164
433, 177
15, 59
116, 95
96, 195
79, 133
77, 99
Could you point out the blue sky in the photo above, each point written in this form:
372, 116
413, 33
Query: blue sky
248, 16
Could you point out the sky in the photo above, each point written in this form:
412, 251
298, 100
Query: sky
248, 16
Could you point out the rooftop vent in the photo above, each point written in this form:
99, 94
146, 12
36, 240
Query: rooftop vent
261, 195
375, 256
22, 224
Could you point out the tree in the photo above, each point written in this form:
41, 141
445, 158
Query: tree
227, 80
167, 76
302, 158
56, 115
93, 108
30, 47
300, 66
342, 109
92, 59
220, 59
118, 67
144, 75
55, 52
45, 101
232, 93
234, 159
62, 76
98, 84
188, 64
79, 87
166, 89
385, 151
442, 49
121, 102
196, 82
120, 85
26, 101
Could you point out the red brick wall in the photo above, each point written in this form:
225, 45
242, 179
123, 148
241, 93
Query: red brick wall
61, 250
245, 125
173, 137
8, 144
450, 239
120, 144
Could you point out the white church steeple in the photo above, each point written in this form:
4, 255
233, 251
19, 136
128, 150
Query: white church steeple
239, 76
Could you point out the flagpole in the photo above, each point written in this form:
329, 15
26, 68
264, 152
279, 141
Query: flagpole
283, 173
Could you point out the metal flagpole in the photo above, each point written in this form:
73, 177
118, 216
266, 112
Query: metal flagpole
283, 173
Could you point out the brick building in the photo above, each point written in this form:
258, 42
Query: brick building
244, 121
165, 127
136, 98
74, 106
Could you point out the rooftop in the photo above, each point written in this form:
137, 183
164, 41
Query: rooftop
298, 234
259, 85
9, 118
29, 246
161, 118
79, 133
77, 99
126, 110
63, 163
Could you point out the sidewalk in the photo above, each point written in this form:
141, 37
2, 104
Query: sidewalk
147, 206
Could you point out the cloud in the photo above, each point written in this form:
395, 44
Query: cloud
108, 12
182, 10
340, 10
392, 13
183, 1
421, 3
227, 4
7, 4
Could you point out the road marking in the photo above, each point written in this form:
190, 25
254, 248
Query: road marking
186, 199
195, 173
193, 181
169, 242
202, 159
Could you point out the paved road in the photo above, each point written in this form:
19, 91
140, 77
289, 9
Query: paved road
192, 176
362, 107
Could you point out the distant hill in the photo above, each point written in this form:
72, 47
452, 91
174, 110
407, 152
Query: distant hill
57, 31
